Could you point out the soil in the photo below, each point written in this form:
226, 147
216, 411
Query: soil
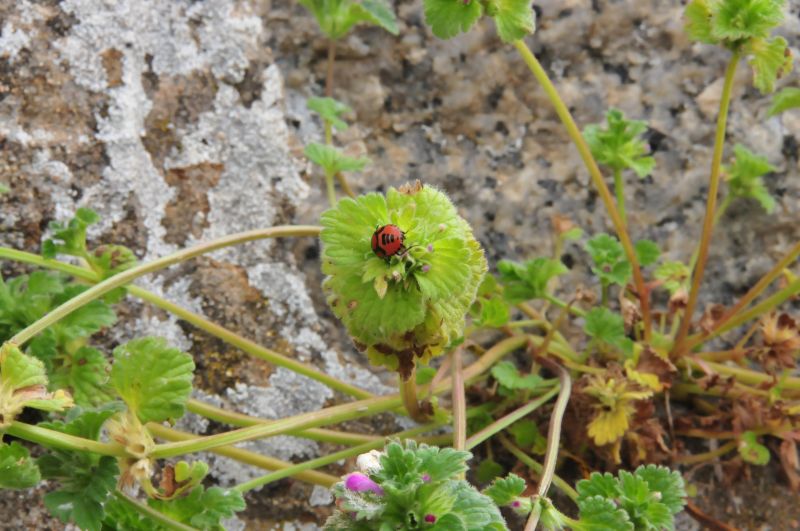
183, 121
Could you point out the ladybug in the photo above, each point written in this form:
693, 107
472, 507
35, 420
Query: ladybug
387, 241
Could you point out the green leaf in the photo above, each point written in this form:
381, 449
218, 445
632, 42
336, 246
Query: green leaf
735, 20
476, 510
380, 14
425, 375
448, 18
667, 483
751, 450
647, 252
744, 177
604, 485
4, 189
619, 146
494, 312
504, 490
70, 238
675, 276
770, 60
610, 264
202, 508
606, 326
598, 513
488, 469
509, 377
514, 18
85, 422
85, 487
85, 321
528, 280
337, 17
788, 98
333, 160
527, 436
152, 378
330, 110
698, 17
442, 463
108, 260
86, 376
17, 469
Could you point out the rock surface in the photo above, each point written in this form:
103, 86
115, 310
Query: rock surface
183, 121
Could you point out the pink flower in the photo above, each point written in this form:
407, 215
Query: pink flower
430, 518
426, 477
360, 483
426, 268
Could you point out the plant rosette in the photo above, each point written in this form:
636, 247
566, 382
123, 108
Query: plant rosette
410, 306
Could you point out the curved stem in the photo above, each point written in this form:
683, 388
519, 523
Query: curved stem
509, 419
553, 439
706, 456
562, 485
149, 512
748, 297
711, 205
597, 178
250, 347
408, 393
334, 414
245, 456
126, 277
62, 441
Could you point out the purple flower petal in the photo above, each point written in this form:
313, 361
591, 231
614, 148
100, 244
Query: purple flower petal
430, 518
426, 477
360, 483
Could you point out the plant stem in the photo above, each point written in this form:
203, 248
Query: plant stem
459, 403
748, 297
63, 441
744, 376
619, 191
509, 419
149, 512
562, 485
245, 456
329, 187
315, 434
330, 69
553, 438
564, 306
408, 392
705, 456
597, 178
250, 347
126, 277
711, 204
330, 458
334, 414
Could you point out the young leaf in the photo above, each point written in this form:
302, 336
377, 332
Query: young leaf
17, 469
330, 110
770, 60
647, 252
509, 377
601, 514
735, 20
504, 490
610, 264
108, 260
528, 280
202, 508
744, 177
70, 238
619, 146
337, 17
333, 160
667, 483
788, 98
751, 450
83, 491
448, 18
152, 378
425, 375
23, 383
698, 21
675, 275
514, 18
494, 312
604, 325
527, 436
86, 376
380, 14
604, 485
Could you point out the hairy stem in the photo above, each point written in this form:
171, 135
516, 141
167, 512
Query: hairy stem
245, 456
619, 191
711, 205
459, 403
334, 414
509, 419
250, 347
408, 392
562, 485
330, 189
125, 277
597, 178
553, 439
62, 441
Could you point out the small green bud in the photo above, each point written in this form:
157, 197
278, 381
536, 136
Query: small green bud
409, 306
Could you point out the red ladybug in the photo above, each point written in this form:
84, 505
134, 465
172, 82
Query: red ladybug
387, 241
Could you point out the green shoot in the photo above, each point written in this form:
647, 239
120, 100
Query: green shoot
788, 98
337, 17
744, 177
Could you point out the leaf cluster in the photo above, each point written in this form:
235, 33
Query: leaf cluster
744, 177
619, 145
514, 19
419, 489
